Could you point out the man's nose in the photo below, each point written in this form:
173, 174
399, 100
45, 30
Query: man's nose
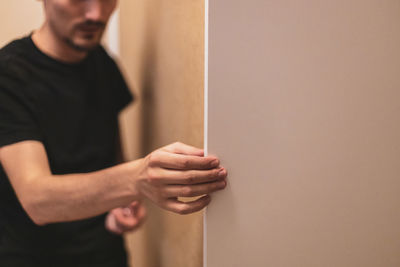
94, 10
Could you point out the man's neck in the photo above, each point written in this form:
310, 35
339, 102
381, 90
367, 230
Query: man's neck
52, 46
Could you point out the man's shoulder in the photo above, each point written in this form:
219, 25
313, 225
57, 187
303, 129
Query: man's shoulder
14, 59
13, 55
14, 70
14, 49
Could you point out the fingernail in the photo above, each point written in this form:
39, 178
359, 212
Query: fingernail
222, 173
126, 211
223, 184
215, 163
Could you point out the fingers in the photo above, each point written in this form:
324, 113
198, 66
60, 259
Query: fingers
166, 196
193, 190
111, 224
138, 210
165, 159
187, 177
180, 170
131, 208
181, 148
129, 218
124, 222
183, 208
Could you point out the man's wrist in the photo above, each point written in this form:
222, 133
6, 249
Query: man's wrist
132, 170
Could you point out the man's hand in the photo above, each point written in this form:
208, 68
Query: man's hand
121, 220
179, 170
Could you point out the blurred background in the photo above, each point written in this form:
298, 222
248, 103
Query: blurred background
159, 46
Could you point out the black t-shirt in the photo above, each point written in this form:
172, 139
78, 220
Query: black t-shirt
73, 110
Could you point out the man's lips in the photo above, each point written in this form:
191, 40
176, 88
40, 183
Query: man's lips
90, 28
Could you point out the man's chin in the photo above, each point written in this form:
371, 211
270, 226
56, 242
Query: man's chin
83, 45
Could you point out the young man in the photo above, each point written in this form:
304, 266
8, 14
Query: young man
64, 199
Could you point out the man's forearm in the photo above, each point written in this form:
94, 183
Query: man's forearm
60, 198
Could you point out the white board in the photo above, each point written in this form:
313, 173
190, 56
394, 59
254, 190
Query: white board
304, 111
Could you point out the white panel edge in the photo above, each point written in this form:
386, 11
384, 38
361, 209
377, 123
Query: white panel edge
113, 35
206, 20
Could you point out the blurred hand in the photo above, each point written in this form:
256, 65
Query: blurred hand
121, 220
179, 170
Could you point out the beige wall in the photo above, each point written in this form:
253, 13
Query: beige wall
304, 111
18, 18
162, 53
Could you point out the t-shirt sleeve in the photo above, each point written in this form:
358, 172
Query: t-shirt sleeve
122, 94
17, 121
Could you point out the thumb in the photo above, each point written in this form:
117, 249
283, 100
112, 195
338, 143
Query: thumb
131, 209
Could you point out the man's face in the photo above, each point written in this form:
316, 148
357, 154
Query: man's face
80, 23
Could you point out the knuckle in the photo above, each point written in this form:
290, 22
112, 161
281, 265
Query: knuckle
152, 175
190, 178
174, 146
185, 163
152, 158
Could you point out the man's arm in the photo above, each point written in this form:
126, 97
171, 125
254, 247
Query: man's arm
51, 198
173, 171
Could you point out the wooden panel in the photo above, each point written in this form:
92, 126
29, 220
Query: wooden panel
162, 54
304, 111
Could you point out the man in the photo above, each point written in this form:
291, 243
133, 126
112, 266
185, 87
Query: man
64, 200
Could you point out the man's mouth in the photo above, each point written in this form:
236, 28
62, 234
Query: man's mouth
90, 28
